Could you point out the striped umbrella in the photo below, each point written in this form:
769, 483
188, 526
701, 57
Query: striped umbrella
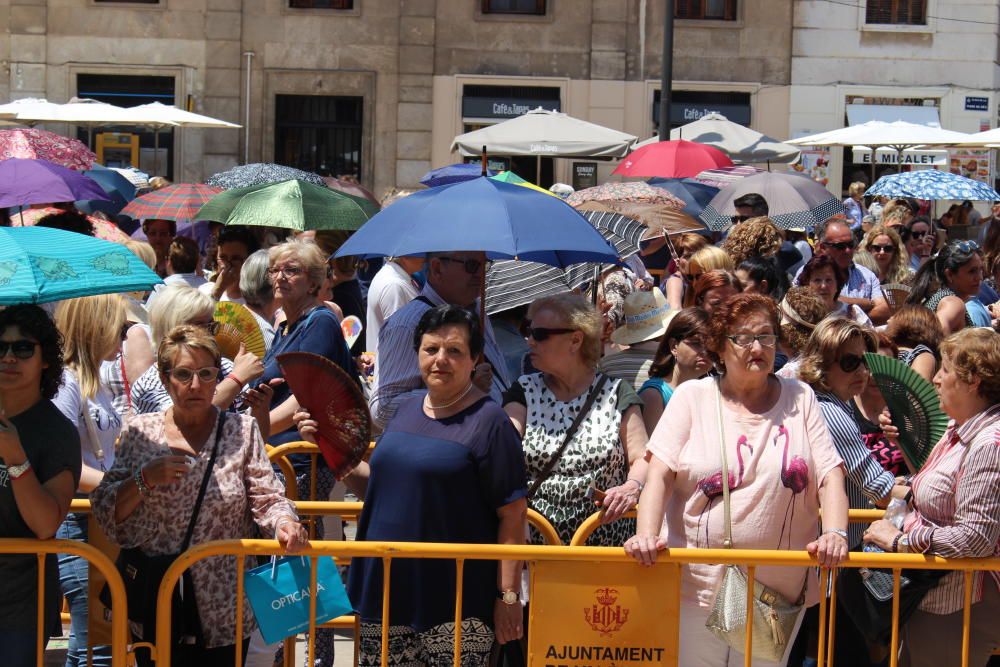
180, 201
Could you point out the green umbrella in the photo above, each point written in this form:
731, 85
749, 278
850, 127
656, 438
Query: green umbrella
509, 177
293, 204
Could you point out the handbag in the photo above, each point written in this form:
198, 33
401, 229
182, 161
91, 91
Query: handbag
279, 595
774, 617
143, 574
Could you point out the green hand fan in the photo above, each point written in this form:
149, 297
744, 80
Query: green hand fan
914, 405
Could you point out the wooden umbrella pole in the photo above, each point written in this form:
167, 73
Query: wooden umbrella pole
482, 157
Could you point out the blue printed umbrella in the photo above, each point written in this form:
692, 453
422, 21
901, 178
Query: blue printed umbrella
39, 265
504, 220
694, 194
933, 185
453, 173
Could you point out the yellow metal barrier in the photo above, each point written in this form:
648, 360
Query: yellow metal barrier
279, 456
44, 548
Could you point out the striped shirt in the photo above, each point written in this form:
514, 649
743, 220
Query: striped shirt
631, 365
396, 370
149, 394
956, 506
867, 480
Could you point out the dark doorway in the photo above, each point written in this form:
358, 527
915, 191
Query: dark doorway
319, 133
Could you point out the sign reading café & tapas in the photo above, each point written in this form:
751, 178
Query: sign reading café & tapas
603, 615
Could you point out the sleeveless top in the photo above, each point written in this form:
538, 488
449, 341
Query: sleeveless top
934, 300
908, 356
660, 384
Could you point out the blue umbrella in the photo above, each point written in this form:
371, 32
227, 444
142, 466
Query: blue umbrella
39, 265
453, 173
933, 185
504, 220
119, 189
25, 181
694, 194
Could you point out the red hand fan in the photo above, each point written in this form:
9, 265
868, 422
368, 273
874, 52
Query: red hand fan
335, 402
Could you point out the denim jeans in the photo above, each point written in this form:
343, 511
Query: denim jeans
73, 579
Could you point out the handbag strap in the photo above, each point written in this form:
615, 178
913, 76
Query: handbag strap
728, 542
570, 432
204, 485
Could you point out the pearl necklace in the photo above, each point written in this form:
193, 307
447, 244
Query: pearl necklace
427, 401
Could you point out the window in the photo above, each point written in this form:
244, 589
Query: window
536, 7
709, 10
321, 4
900, 12
319, 133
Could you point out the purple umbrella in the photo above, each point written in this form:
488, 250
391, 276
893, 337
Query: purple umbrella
25, 181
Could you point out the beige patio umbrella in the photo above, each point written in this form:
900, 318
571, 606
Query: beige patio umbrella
740, 143
159, 116
987, 139
78, 111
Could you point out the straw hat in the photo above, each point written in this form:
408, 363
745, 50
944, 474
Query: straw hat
647, 316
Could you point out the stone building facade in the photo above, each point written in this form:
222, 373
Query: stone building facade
380, 87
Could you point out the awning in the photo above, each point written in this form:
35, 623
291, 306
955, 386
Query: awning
862, 113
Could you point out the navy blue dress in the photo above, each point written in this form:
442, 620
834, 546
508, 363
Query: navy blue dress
437, 481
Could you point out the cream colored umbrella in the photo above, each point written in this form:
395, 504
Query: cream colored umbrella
159, 116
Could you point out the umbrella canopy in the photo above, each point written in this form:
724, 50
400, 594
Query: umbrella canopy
987, 139
897, 134
78, 111
694, 194
159, 115
672, 159
503, 220
740, 143
545, 133
139, 179
510, 283
724, 176
656, 218
453, 173
793, 201
292, 204
40, 265
511, 177
103, 229
350, 188
179, 201
31, 143
119, 189
25, 181
933, 185
260, 173
635, 192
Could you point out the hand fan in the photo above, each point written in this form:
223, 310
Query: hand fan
914, 405
351, 328
335, 402
895, 294
236, 325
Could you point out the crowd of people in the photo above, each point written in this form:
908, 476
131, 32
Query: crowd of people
725, 391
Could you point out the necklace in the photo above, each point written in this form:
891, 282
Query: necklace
427, 401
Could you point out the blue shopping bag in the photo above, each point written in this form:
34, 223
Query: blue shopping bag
279, 595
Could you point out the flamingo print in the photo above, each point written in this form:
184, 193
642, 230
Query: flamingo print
794, 476
711, 486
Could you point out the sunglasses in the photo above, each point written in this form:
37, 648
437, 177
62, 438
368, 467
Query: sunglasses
839, 245
470, 265
874, 249
737, 219
541, 333
21, 349
916, 235
186, 375
850, 362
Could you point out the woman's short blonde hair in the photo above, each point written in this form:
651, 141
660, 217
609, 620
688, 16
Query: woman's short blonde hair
184, 337
576, 313
91, 327
143, 251
975, 353
822, 349
856, 188
710, 258
176, 305
306, 253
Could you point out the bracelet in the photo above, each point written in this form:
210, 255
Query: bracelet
140, 483
232, 376
641, 485
836, 531
895, 543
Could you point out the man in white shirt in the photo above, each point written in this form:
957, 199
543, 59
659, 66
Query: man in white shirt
390, 289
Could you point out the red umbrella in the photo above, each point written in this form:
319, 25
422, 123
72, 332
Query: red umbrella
38, 144
672, 159
180, 201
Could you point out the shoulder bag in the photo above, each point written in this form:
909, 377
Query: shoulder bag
143, 575
773, 617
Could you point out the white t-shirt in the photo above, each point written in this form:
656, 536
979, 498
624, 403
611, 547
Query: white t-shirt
207, 288
107, 423
391, 289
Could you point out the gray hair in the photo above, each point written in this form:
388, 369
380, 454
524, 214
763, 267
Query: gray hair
255, 281
820, 231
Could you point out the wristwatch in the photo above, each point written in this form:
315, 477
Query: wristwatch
18, 471
903, 545
509, 597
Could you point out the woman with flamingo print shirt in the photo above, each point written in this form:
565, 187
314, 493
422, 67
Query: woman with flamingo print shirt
783, 467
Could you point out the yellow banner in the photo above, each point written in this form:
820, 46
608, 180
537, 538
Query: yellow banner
603, 615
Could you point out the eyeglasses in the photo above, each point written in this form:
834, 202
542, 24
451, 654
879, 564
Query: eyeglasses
746, 339
737, 219
287, 271
967, 246
850, 362
470, 265
874, 249
186, 375
839, 245
21, 349
541, 334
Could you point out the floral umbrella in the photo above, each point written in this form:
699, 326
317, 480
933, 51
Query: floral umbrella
103, 229
38, 144
636, 192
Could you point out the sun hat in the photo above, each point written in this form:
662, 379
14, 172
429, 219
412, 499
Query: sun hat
647, 315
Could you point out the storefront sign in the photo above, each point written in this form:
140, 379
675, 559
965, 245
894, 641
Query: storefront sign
890, 156
494, 164
974, 164
977, 104
603, 615
496, 107
584, 175
682, 113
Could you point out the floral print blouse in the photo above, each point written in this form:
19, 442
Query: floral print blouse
243, 492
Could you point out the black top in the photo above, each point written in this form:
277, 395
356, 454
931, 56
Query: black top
348, 296
52, 445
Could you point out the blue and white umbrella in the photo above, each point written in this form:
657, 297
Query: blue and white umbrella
933, 185
794, 201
